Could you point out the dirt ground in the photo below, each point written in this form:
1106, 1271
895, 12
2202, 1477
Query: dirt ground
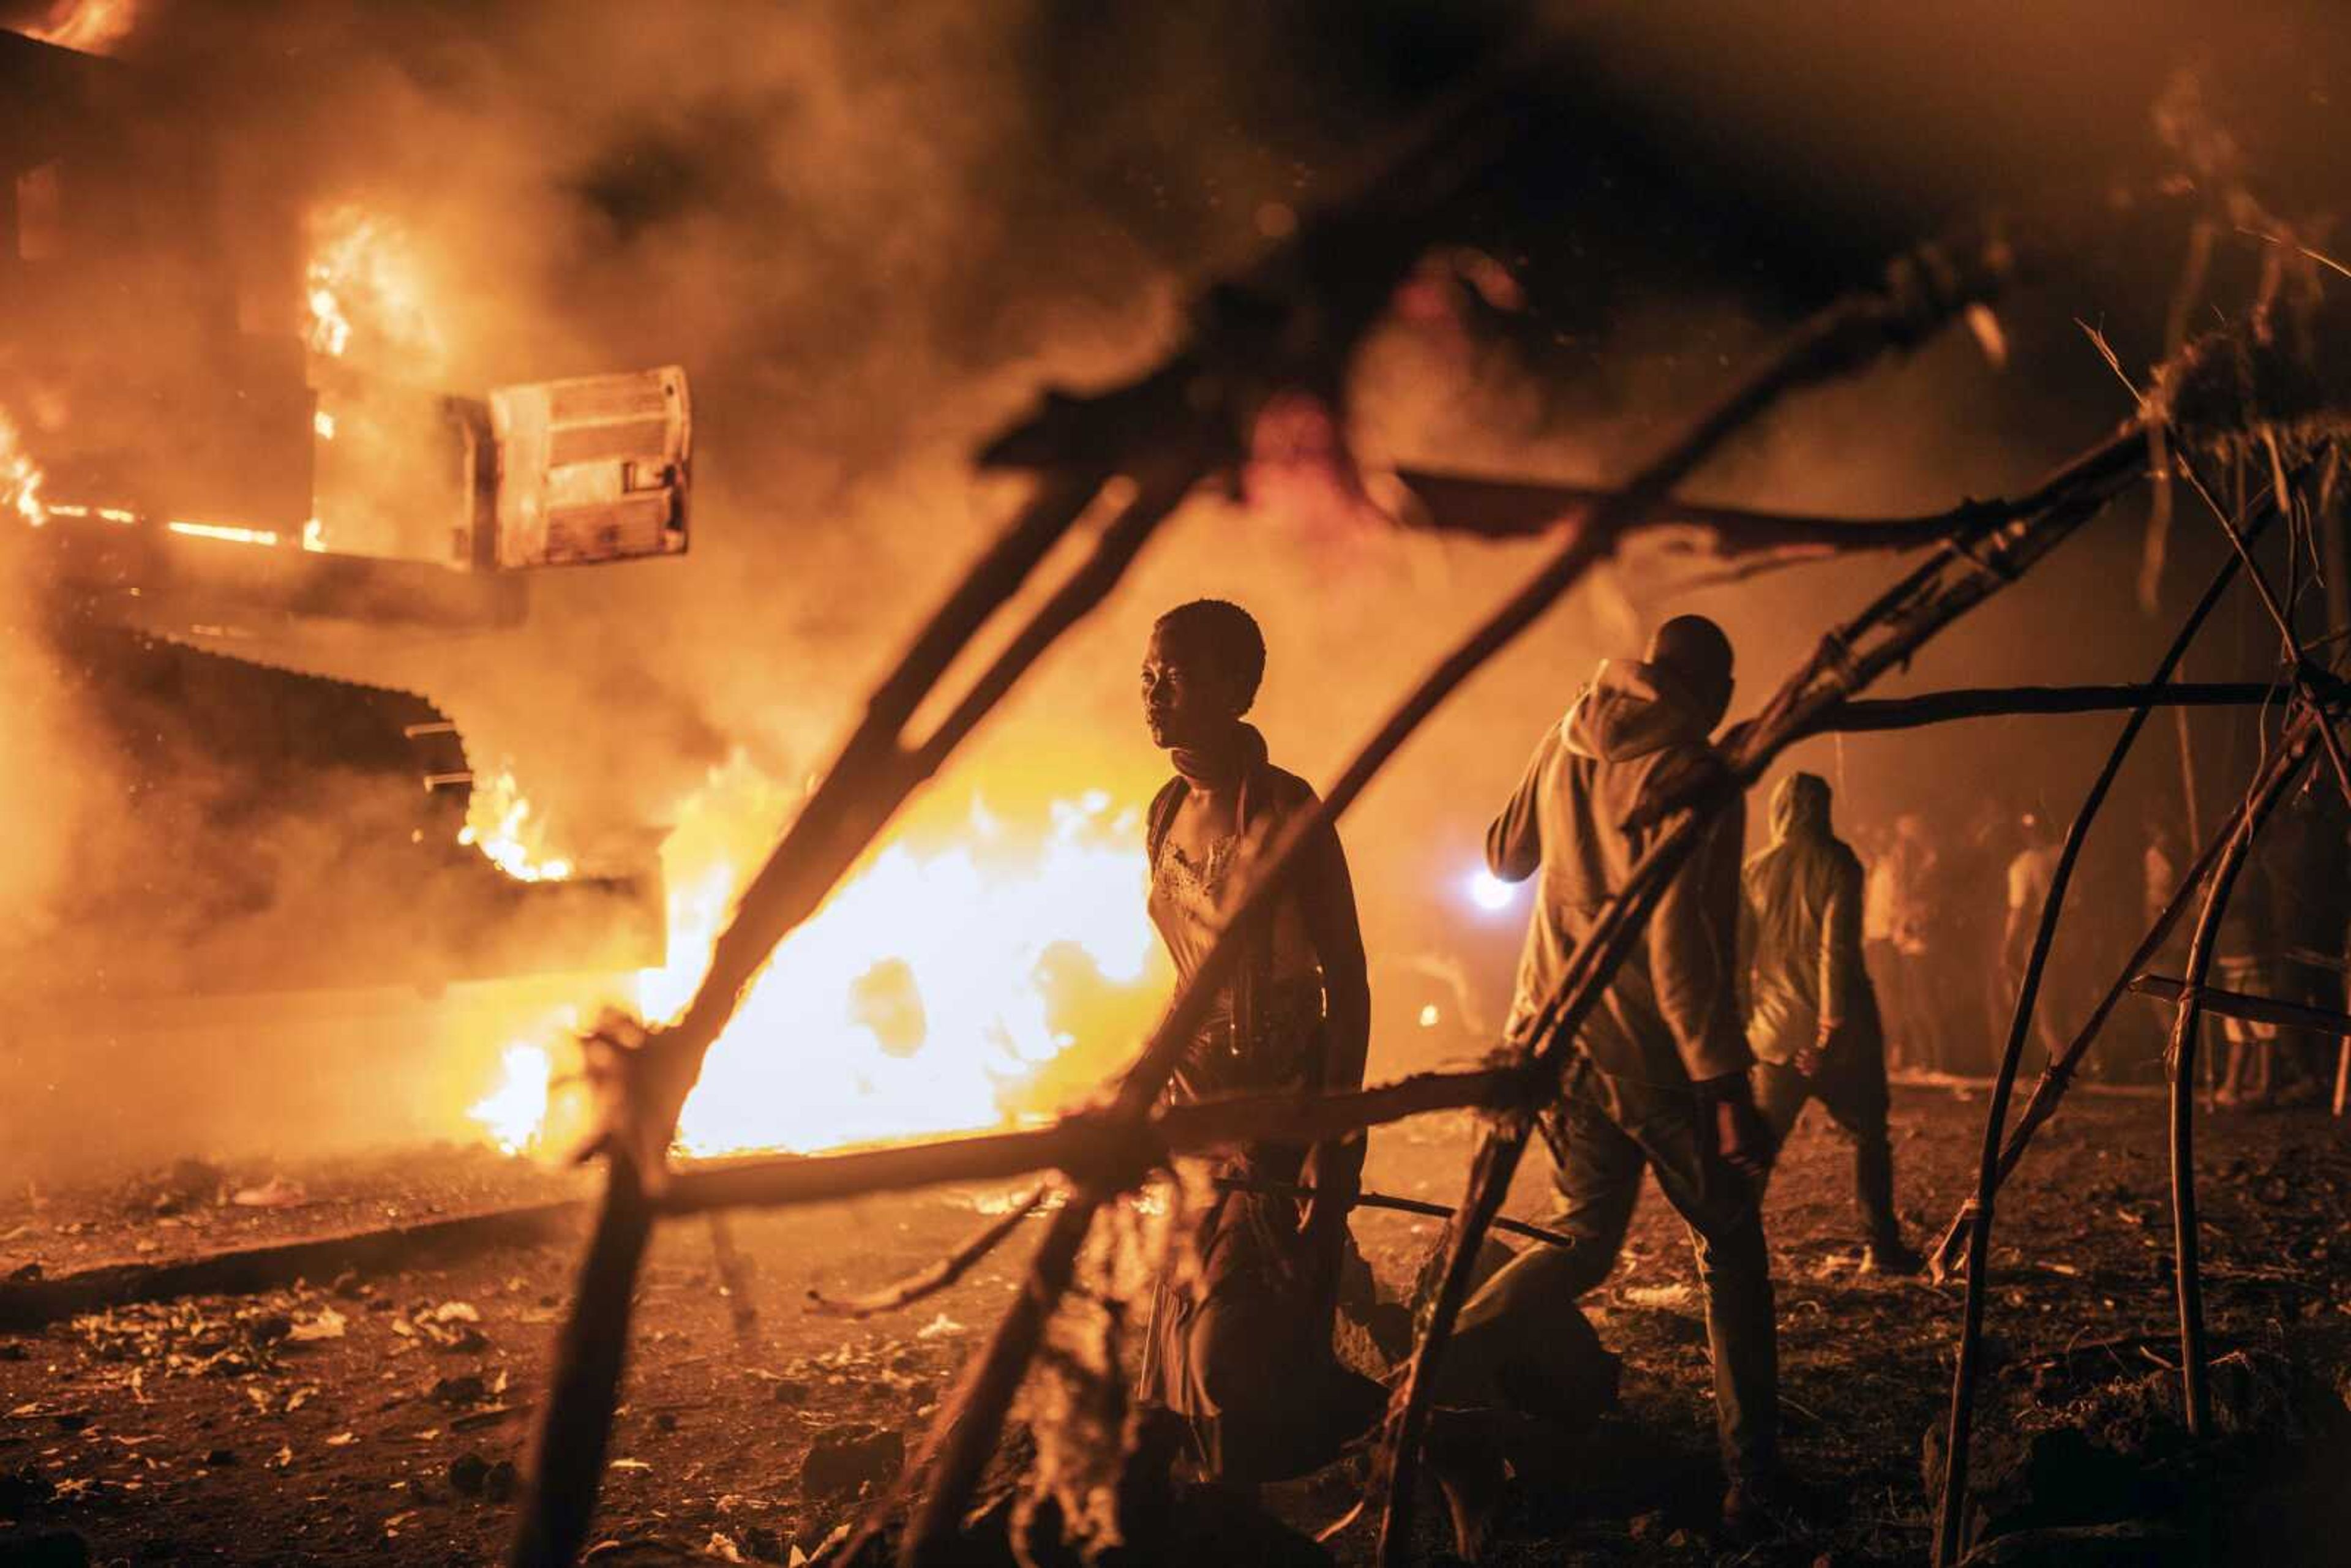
376, 1419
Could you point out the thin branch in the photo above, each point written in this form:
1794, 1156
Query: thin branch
2237, 1005
1389, 1201
939, 1275
2188, 1283
2298, 662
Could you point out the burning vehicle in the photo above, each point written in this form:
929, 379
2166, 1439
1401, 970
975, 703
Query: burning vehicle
192, 470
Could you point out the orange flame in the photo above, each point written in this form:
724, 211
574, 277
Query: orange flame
365, 287
20, 477
943, 986
499, 822
95, 26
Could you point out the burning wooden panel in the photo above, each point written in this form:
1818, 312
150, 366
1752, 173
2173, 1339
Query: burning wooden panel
592, 469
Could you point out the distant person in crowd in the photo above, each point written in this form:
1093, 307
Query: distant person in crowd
1898, 928
1969, 929
1244, 1353
2032, 874
1812, 1018
2308, 865
1660, 1081
2245, 960
2274, 908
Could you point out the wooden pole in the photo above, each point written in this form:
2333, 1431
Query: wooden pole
1951, 1504
1867, 715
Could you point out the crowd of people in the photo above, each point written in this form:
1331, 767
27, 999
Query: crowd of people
1950, 916
1753, 991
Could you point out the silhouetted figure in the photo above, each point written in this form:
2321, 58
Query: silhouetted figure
1244, 1352
2032, 872
2305, 857
2277, 914
1812, 1018
1661, 1081
1899, 930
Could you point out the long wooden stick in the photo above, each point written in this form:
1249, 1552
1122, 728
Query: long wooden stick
1492, 507
1872, 714
2188, 1281
1093, 1144
867, 782
1950, 1512
576, 1429
2239, 1004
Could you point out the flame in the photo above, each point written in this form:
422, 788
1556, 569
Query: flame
92, 26
514, 1111
499, 822
20, 477
950, 984
365, 285
229, 533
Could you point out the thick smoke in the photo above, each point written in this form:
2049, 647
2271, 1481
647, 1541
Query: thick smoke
871, 233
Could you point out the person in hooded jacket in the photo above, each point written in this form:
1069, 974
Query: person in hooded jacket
1812, 1020
1660, 1079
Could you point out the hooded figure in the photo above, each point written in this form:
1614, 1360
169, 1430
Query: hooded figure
1660, 1081
1814, 1020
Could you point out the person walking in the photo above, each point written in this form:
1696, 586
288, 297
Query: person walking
1812, 1020
1660, 1081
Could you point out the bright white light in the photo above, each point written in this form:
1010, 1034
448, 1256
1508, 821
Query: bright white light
1489, 892
1429, 1015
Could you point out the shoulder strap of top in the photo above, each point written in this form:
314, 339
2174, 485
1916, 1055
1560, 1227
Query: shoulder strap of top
1163, 807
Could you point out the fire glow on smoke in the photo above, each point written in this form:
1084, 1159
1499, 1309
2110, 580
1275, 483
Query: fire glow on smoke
933, 992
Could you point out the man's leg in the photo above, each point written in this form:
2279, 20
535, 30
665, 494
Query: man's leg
1853, 1090
1724, 1212
1513, 1317
1780, 1095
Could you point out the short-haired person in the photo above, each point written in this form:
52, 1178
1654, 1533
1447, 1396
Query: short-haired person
1661, 1080
1245, 1353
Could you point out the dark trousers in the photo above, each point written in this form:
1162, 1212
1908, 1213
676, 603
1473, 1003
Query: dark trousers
1602, 1136
1851, 1086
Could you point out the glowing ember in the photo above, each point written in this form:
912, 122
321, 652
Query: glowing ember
93, 25
20, 479
499, 822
